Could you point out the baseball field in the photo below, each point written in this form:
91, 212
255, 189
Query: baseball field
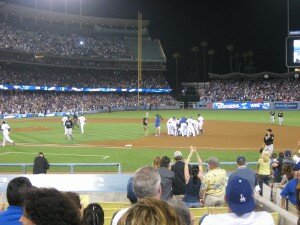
119, 137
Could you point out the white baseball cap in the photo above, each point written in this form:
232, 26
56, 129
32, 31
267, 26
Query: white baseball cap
177, 154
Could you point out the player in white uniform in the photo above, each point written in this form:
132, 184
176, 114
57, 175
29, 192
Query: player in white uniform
81, 120
190, 127
200, 122
63, 120
169, 126
5, 128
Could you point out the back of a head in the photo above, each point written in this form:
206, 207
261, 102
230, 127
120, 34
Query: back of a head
16, 190
73, 196
241, 160
182, 210
165, 161
146, 182
213, 162
93, 214
150, 211
48, 206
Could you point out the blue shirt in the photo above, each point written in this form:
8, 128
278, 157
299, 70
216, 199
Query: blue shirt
11, 216
157, 121
289, 191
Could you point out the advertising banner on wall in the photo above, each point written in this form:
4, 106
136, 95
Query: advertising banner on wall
285, 105
241, 105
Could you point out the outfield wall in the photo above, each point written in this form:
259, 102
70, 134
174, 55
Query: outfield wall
235, 105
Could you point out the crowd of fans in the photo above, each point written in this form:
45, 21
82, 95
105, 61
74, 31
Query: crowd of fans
252, 90
19, 102
66, 45
82, 78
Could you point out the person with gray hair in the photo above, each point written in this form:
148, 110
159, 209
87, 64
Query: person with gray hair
213, 184
146, 183
182, 211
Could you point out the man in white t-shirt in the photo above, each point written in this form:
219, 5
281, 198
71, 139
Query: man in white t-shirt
81, 120
241, 205
5, 128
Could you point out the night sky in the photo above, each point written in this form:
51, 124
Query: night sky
259, 26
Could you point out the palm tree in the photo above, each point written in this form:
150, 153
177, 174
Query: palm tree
245, 55
203, 45
211, 52
236, 61
195, 50
176, 56
250, 54
230, 48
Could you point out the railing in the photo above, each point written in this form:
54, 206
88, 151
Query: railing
71, 165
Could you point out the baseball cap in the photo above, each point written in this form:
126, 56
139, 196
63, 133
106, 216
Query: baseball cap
241, 160
287, 154
270, 130
130, 193
239, 196
177, 154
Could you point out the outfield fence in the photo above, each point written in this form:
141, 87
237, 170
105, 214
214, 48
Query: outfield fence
71, 165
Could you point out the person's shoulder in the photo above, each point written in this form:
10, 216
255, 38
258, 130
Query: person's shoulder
214, 218
265, 216
117, 216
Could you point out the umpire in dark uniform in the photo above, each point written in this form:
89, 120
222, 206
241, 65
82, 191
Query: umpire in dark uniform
40, 164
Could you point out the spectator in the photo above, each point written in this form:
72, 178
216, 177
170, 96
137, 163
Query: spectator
179, 185
182, 211
150, 211
213, 184
48, 206
241, 205
40, 164
244, 172
73, 196
167, 178
193, 178
130, 193
264, 171
277, 168
93, 214
146, 183
15, 193
156, 162
288, 196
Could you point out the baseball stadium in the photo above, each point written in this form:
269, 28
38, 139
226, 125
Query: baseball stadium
93, 98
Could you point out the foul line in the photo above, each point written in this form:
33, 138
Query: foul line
29, 153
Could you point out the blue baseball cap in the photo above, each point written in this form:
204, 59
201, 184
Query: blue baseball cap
130, 193
239, 196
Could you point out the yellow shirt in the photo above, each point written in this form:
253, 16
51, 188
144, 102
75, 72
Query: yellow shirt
264, 167
214, 182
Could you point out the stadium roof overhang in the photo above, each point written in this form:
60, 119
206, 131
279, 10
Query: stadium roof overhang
44, 15
261, 75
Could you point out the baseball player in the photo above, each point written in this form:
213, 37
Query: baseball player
145, 125
272, 116
200, 121
170, 125
5, 128
81, 120
69, 126
280, 118
190, 127
268, 141
63, 120
183, 126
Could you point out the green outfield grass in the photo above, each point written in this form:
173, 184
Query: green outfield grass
130, 159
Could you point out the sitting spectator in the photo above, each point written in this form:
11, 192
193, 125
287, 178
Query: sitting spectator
264, 171
193, 178
167, 178
213, 184
241, 206
146, 183
156, 162
288, 196
150, 211
48, 206
182, 211
244, 172
93, 214
130, 193
15, 193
